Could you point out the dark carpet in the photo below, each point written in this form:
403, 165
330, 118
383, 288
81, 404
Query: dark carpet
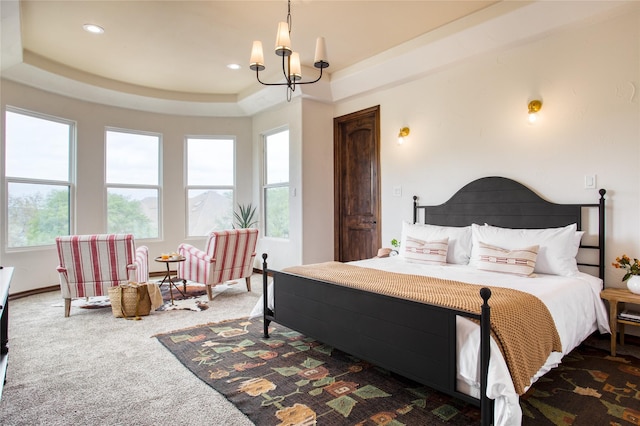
290, 379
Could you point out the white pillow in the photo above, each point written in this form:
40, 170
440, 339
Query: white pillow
557, 251
518, 262
428, 252
459, 248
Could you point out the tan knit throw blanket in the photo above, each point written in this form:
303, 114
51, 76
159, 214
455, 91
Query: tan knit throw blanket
520, 322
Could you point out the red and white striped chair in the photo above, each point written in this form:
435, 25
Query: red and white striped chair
228, 255
90, 264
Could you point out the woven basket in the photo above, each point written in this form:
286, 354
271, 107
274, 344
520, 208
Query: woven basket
130, 300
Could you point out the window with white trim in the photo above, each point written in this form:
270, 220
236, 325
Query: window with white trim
38, 175
133, 183
210, 184
276, 184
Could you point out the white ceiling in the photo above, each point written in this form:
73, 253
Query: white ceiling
159, 55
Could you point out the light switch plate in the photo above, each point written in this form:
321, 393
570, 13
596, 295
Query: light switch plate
589, 181
397, 191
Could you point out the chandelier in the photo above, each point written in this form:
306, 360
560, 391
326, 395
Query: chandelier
290, 60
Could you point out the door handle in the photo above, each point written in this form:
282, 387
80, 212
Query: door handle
369, 221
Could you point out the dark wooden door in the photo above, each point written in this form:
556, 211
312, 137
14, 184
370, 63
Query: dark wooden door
357, 184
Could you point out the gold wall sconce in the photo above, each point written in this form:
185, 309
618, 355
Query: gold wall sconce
534, 107
404, 132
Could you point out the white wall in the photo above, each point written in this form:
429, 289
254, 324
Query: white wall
281, 252
36, 268
317, 182
470, 121
310, 126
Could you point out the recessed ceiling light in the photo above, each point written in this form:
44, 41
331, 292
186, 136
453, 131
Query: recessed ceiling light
92, 28
233, 66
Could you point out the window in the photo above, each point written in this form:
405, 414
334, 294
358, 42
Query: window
132, 182
210, 184
38, 177
276, 185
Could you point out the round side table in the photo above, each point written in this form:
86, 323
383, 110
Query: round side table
167, 277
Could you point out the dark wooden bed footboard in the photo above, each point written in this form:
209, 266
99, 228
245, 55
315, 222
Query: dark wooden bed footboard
413, 339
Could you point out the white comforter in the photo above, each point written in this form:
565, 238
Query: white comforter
574, 303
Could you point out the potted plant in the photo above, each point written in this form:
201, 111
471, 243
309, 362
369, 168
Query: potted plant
396, 245
243, 218
632, 275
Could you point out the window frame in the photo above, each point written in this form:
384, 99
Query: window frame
266, 186
158, 186
187, 187
7, 180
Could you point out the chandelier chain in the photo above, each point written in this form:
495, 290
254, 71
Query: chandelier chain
289, 15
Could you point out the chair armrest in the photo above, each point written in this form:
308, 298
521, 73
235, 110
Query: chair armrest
197, 264
190, 252
64, 282
140, 269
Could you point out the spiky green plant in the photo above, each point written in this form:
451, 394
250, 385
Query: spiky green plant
244, 216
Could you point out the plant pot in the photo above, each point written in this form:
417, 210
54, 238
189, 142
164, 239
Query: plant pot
633, 284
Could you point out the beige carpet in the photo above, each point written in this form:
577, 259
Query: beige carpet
94, 369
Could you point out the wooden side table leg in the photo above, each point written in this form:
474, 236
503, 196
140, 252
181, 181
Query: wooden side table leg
620, 326
613, 324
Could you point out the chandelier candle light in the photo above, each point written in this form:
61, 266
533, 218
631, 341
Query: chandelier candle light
291, 67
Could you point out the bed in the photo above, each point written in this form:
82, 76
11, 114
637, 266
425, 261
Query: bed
449, 349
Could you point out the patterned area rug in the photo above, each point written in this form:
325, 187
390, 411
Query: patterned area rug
193, 297
290, 379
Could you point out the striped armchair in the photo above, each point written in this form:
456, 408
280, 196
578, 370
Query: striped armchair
228, 255
90, 264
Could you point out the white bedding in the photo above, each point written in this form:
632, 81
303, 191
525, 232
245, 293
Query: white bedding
574, 303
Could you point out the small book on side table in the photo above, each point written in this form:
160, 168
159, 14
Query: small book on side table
629, 315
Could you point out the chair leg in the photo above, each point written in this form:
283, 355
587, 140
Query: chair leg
248, 279
209, 293
67, 307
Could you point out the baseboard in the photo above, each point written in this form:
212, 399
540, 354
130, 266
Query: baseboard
34, 291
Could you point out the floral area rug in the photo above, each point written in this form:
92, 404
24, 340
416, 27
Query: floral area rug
290, 379
590, 387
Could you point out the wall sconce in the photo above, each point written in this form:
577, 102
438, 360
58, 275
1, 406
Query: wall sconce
534, 107
404, 132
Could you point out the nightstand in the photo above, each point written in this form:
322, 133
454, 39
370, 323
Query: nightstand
616, 296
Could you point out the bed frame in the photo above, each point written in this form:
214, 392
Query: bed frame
413, 339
